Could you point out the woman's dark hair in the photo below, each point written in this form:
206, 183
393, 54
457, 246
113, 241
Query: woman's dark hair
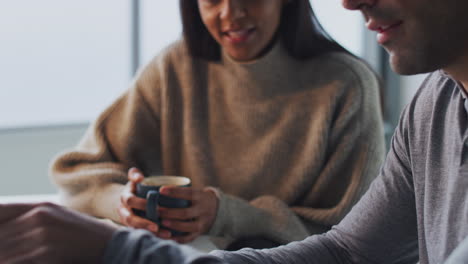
299, 30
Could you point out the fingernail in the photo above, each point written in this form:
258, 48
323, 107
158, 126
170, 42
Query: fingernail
165, 191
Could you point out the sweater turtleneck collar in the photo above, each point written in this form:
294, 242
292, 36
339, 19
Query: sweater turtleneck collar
271, 61
264, 77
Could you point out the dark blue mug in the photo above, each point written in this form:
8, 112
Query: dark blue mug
149, 189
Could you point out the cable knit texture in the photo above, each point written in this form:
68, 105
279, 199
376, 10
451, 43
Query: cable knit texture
290, 145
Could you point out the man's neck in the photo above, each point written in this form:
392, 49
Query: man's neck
464, 86
459, 71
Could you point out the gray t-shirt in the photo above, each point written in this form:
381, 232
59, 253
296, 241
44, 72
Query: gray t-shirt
415, 207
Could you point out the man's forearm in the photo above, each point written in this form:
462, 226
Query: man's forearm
129, 246
315, 249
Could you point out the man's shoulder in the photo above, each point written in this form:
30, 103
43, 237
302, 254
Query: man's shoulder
435, 100
438, 87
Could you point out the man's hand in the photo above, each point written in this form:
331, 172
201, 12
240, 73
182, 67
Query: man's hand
48, 233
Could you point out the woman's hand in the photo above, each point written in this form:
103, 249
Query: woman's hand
129, 201
194, 220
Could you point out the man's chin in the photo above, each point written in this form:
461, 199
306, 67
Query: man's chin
403, 71
406, 65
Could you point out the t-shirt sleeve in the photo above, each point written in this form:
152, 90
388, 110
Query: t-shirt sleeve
382, 227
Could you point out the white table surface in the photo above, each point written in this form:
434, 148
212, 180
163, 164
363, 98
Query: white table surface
30, 198
203, 243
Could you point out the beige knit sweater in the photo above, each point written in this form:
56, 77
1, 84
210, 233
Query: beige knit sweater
291, 145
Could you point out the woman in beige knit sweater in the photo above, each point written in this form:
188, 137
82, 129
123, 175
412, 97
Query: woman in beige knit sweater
278, 127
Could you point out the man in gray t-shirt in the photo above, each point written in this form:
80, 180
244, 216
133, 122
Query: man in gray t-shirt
414, 211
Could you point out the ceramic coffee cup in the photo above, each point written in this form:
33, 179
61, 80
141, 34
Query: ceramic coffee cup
149, 190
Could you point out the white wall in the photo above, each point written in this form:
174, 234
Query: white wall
71, 60
25, 155
61, 61
409, 86
347, 30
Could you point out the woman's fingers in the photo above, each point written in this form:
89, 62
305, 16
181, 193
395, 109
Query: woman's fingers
128, 199
135, 175
128, 218
179, 213
184, 226
185, 193
186, 239
164, 234
196, 219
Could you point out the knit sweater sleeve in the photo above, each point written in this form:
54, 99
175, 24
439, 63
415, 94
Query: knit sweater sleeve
92, 175
355, 151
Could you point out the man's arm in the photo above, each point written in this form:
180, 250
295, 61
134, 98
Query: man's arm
48, 233
381, 228
141, 247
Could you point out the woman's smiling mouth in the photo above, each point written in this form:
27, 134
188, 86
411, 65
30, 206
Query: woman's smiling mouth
238, 36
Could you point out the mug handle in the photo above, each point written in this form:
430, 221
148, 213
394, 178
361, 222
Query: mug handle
151, 206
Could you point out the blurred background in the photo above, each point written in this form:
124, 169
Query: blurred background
62, 62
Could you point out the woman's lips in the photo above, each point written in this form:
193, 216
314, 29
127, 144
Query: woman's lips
385, 33
238, 36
